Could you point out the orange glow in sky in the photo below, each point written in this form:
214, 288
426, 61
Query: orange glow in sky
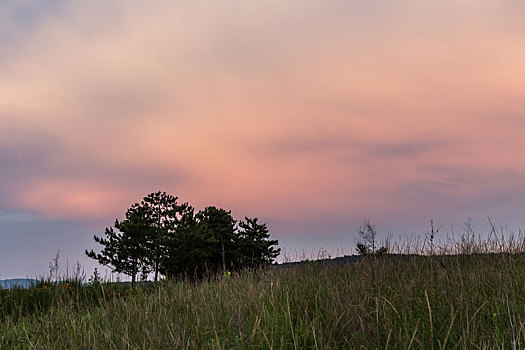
309, 114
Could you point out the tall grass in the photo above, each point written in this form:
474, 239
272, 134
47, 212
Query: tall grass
18, 302
469, 295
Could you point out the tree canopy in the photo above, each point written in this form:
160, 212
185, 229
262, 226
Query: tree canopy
160, 236
254, 243
126, 247
163, 217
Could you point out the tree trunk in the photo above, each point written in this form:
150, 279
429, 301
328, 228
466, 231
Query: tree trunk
223, 257
159, 240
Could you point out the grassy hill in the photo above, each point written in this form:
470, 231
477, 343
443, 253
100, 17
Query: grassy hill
474, 300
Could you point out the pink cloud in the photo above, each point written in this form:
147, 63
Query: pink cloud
290, 110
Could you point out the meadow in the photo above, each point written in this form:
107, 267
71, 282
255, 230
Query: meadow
465, 293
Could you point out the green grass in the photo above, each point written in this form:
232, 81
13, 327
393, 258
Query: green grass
474, 300
18, 303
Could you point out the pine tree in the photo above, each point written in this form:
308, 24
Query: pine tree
254, 245
218, 224
164, 216
125, 247
158, 235
189, 252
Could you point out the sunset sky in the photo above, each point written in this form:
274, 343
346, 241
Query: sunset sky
309, 114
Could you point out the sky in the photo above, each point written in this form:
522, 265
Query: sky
309, 114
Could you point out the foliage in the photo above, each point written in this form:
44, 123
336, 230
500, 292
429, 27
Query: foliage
368, 240
188, 248
126, 249
254, 245
164, 214
95, 279
219, 226
210, 241
310, 306
161, 236
19, 303
468, 301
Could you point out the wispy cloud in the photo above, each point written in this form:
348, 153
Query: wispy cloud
298, 110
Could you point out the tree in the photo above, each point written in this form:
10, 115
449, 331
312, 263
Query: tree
255, 247
367, 242
126, 248
189, 252
210, 241
164, 216
158, 235
219, 225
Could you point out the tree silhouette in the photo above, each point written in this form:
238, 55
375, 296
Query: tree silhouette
219, 225
158, 235
254, 246
368, 240
126, 248
164, 216
189, 252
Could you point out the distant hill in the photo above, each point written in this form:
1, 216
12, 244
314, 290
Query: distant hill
343, 260
17, 282
347, 259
